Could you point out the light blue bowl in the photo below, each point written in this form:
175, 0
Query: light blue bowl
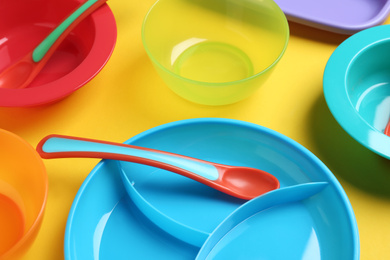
104, 223
357, 87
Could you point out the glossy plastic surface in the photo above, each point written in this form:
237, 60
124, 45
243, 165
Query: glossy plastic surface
77, 60
23, 195
241, 182
23, 71
357, 87
246, 224
104, 223
346, 16
215, 52
74, 18
387, 129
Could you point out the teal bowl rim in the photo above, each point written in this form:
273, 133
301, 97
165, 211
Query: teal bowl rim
300, 149
336, 92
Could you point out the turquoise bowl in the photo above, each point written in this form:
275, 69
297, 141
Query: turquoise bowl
357, 87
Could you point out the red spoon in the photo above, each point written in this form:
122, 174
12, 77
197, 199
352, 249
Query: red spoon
21, 73
241, 182
387, 129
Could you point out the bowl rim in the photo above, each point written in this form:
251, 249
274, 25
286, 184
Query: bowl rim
38, 220
336, 92
218, 84
99, 54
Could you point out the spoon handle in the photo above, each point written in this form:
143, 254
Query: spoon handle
59, 146
57, 35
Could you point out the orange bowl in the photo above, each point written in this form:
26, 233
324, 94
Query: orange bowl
23, 195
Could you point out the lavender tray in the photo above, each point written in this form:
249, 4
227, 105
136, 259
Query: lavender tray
340, 16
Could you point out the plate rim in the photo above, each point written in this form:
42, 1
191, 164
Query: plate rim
333, 26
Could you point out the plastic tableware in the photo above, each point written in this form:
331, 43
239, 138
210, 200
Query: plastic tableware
387, 129
23, 195
238, 236
346, 17
22, 72
197, 237
215, 52
81, 55
356, 87
241, 182
105, 223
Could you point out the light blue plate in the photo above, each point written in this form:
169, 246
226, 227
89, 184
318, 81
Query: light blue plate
357, 87
105, 224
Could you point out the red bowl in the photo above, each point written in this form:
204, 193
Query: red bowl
77, 60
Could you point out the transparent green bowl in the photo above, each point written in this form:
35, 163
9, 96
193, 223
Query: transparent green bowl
215, 52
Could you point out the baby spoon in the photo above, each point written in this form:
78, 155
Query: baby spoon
387, 129
21, 73
241, 182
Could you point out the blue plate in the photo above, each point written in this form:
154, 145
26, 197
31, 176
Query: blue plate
105, 224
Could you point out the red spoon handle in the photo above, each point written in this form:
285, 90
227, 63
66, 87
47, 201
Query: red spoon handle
60, 146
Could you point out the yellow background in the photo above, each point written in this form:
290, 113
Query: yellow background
128, 97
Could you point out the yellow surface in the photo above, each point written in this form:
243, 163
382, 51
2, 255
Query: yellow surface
128, 97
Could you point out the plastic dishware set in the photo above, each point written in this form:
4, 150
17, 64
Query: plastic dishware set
206, 188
